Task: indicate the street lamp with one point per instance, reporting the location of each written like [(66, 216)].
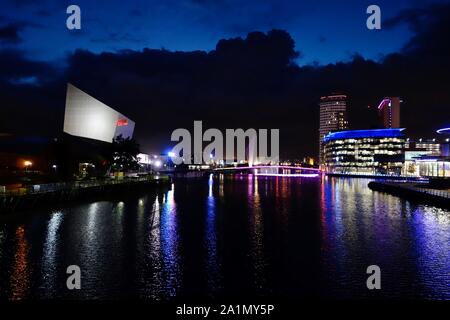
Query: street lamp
[(27, 164)]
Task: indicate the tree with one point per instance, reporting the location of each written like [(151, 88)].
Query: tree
[(124, 154)]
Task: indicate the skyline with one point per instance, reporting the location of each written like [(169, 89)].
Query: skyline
[(259, 73)]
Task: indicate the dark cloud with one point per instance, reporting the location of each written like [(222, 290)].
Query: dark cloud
[(416, 18), (430, 38), (245, 82), (10, 33), (14, 65)]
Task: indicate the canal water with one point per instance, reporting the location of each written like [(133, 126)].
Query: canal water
[(231, 236)]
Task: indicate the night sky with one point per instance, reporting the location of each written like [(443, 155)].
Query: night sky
[(261, 64)]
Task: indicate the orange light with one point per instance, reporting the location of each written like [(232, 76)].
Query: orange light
[(27, 163)]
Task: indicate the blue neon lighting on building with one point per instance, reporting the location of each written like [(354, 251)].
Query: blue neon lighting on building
[(360, 134), (443, 131)]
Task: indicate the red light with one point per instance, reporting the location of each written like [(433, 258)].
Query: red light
[(122, 122)]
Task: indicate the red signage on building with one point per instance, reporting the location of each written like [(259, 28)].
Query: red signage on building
[(122, 122)]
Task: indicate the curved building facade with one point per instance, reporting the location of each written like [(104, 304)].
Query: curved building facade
[(365, 152)]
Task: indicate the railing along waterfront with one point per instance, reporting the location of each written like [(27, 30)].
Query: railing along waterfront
[(59, 186)]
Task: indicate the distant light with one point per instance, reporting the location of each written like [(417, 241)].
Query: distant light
[(158, 163), (293, 175), (383, 103), (171, 154), (155, 156), (27, 163), (358, 134), (54, 166), (443, 130)]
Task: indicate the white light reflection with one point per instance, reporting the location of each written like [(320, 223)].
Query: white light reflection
[(49, 266)]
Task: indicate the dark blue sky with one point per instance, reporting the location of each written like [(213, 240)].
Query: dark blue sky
[(250, 73), (324, 31)]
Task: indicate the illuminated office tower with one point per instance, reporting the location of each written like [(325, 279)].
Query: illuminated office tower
[(389, 109), (430, 145), (333, 117), (365, 152)]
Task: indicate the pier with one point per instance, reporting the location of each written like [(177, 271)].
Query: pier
[(413, 191)]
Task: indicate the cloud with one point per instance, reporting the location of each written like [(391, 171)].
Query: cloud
[(416, 18), (245, 82), (431, 34), (14, 66), (10, 33)]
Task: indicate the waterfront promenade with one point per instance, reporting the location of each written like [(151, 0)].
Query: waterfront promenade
[(32, 196)]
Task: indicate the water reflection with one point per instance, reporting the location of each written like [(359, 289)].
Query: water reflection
[(170, 244), (21, 271), (432, 245), (256, 231), (213, 267), (231, 236), (152, 251), (361, 227), (2, 241), (49, 262)]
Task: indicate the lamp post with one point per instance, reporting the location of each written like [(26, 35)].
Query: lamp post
[(27, 164)]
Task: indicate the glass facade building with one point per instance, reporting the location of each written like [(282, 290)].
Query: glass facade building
[(333, 117), (430, 166), (365, 152)]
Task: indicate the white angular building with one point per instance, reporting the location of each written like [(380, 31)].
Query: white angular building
[(87, 117)]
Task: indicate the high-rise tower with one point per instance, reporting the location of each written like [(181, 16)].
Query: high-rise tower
[(333, 117), (389, 109)]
